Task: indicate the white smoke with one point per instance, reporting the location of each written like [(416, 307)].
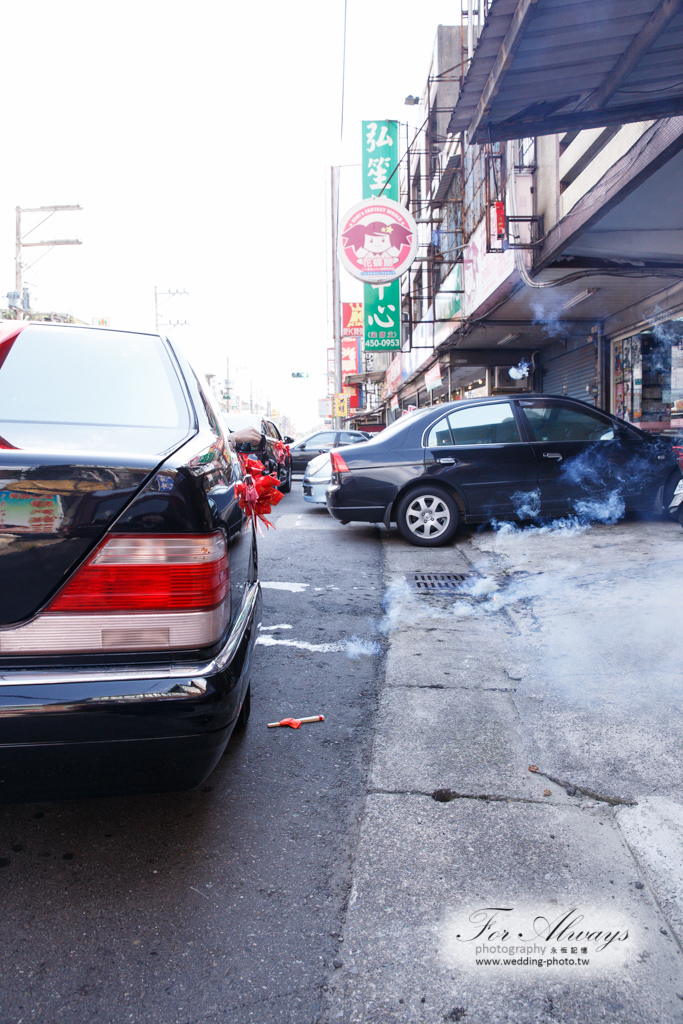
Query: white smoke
[(357, 648)]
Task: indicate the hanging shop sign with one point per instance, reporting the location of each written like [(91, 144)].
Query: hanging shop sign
[(378, 240), (380, 159), (350, 355), (341, 405), (352, 319), (433, 377), (382, 322), (393, 376)]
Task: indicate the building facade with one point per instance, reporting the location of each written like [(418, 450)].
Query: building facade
[(551, 262)]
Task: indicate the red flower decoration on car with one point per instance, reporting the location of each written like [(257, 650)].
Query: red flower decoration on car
[(258, 492), (282, 451)]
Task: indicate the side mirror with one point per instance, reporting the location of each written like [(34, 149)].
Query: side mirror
[(287, 439)]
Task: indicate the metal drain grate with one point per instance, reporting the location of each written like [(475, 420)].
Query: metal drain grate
[(435, 582)]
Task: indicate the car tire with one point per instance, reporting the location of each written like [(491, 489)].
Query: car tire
[(245, 711), (286, 484), (427, 516)]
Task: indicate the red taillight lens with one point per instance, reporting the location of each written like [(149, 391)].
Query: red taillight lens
[(338, 464), (160, 573)]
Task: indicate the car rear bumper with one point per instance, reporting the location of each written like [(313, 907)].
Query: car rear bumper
[(347, 513), (71, 733)]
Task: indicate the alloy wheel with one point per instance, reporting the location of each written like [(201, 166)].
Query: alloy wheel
[(428, 516)]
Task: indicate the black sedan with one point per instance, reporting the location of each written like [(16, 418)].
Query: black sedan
[(323, 441), (501, 458), (272, 448), (129, 597)]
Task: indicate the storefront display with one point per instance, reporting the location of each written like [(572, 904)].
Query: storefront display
[(647, 378)]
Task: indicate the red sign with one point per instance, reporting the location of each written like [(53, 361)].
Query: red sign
[(352, 319), (349, 354), (353, 391), (500, 218)]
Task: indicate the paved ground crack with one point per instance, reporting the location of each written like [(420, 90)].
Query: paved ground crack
[(613, 801), (446, 796)]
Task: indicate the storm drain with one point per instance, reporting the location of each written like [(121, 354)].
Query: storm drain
[(438, 582)]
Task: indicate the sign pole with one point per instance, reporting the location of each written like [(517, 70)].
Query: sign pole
[(336, 307)]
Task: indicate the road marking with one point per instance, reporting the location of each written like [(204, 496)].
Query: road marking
[(280, 625), (294, 588), (293, 521), (271, 641)]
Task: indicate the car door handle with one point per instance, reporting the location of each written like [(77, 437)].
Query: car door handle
[(448, 462), (552, 455)]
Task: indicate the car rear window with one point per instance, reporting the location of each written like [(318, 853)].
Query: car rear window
[(85, 378)]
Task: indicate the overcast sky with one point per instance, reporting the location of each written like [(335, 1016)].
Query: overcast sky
[(198, 139)]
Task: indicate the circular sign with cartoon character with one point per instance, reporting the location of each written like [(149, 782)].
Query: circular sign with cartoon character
[(377, 240)]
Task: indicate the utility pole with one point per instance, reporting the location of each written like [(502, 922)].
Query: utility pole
[(21, 244), (336, 308), (166, 296)]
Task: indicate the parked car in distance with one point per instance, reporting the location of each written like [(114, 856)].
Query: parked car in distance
[(317, 479), (500, 458), (129, 596), (269, 451), (322, 441)]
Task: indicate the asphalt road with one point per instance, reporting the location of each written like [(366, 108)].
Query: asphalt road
[(224, 904)]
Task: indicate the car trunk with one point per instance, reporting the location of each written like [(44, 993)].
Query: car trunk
[(52, 514), (85, 417)]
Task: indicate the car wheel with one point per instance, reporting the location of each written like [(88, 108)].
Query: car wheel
[(245, 711), (427, 516), (286, 484)]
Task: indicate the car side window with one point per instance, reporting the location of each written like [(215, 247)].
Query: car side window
[(484, 424), (347, 437), (552, 423), (273, 431), (321, 440), (440, 434)]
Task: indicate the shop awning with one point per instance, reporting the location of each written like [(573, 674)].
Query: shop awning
[(542, 67), (364, 378)]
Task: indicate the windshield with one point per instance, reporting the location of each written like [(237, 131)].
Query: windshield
[(55, 379)]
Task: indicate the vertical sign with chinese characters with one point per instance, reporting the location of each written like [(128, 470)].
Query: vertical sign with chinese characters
[(382, 312), (382, 317), (380, 160)]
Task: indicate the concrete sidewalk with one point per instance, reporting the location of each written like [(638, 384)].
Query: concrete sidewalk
[(559, 653)]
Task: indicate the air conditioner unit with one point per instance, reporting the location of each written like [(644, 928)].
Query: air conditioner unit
[(502, 381)]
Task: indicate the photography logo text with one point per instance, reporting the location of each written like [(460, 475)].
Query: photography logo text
[(507, 937)]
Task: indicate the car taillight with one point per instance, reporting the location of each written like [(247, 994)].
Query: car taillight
[(338, 464), (135, 593), (159, 573)]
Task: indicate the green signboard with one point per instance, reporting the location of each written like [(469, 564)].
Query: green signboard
[(382, 305), (382, 316), (380, 159)]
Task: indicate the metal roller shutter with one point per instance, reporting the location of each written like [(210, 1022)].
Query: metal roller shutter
[(570, 373)]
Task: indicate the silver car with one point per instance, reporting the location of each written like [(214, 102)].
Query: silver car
[(317, 478)]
